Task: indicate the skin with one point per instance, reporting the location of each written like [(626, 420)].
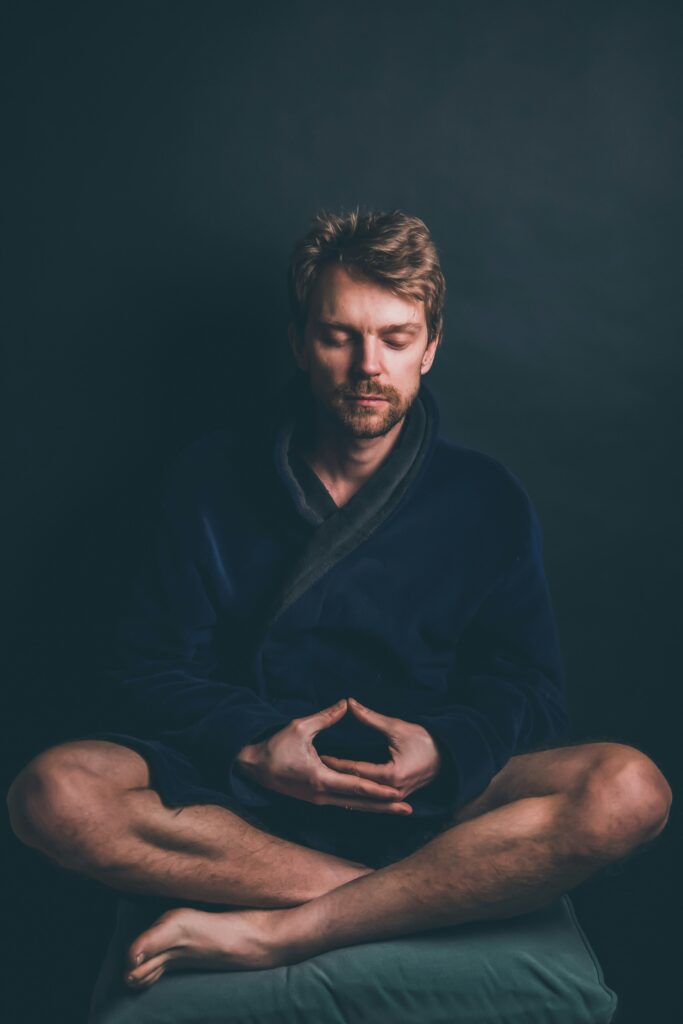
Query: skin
[(288, 763), (544, 824), (360, 355), (547, 820), (545, 837)]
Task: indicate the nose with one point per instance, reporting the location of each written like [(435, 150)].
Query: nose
[(366, 359)]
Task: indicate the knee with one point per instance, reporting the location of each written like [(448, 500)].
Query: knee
[(52, 803), (624, 799)]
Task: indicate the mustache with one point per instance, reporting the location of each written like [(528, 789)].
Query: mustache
[(366, 394)]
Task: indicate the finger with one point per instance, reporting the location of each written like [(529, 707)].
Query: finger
[(346, 785), (372, 806), (376, 772), (325, 718), (372, 718)]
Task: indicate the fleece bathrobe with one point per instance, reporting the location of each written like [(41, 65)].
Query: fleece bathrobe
[(424, 597)]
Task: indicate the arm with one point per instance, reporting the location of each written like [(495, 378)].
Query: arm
[(508, 685), (165, 683)]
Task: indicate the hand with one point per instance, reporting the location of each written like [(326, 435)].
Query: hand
[(288, 763), (415, 758)]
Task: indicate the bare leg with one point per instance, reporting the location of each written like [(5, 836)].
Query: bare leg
[(598, 802), (87, 805)]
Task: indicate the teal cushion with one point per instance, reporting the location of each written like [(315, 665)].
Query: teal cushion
[(538, 967)]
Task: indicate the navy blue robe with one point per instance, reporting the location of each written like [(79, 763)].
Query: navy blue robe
[(424, 597)]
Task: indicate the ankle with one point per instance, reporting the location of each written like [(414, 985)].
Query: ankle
[(339, 874)]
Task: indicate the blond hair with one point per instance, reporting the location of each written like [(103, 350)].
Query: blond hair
[(390, 248)]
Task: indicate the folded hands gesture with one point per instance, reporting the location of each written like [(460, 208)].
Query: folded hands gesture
[(414, 757), (287, 762)]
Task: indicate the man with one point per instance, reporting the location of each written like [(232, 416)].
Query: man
[(347, 550)]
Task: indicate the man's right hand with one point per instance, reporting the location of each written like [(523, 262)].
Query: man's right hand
[(288, 763)]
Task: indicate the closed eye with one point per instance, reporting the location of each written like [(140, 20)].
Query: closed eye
[(337, 341)]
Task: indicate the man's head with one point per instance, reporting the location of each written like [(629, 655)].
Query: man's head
[(366, 294)]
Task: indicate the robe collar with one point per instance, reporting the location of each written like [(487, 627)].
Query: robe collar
[(309, 495), (345, 528)]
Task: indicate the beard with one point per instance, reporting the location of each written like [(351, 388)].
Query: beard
[(368, 421)]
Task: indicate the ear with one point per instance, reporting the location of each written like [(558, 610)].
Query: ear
[(297, 346), (429, 354)]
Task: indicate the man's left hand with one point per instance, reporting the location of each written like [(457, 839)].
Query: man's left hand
[(415, 759)]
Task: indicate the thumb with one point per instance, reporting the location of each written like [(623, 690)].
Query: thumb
[(327, 717), (376, 720)]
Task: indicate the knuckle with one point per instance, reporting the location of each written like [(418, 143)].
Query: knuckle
[(316, 792), (317, 786)]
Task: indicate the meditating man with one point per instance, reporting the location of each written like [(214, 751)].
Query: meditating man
[(338, 695)]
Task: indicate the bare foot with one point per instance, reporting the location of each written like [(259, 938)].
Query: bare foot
[(189, 939), (241, 939)]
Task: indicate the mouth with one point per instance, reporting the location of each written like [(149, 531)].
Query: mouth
[(367, 399)]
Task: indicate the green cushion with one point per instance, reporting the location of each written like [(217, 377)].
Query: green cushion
[(538, 967)]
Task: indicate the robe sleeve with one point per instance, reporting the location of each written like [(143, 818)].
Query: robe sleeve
[(509, 677), (163, 681)]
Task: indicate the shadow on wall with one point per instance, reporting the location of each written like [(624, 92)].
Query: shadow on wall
[(168, 362)]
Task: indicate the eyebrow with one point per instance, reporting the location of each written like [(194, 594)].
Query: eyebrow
[(411, 327)]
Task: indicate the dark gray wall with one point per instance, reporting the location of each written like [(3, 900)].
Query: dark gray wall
[(163, 157)]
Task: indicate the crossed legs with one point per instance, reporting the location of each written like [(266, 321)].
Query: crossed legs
[(546, 822), (88, 806)]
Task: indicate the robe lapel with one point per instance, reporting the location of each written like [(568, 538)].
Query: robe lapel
[(336, 536)]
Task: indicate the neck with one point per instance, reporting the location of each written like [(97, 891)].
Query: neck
[(344, 463)]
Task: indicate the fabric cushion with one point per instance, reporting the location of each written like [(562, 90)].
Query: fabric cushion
[(536, 968)]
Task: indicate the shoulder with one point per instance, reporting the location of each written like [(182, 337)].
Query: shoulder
[(476, 471), (484, 491)]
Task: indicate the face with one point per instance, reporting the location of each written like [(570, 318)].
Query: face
[(362, 340)]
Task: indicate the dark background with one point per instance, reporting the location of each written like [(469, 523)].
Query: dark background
[(162, 159)]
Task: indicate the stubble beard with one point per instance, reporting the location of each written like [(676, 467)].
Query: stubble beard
[(365, 421)]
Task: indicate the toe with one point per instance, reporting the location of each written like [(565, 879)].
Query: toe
[(147, 971), (151, 978), (136, 954), (164, 933)]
